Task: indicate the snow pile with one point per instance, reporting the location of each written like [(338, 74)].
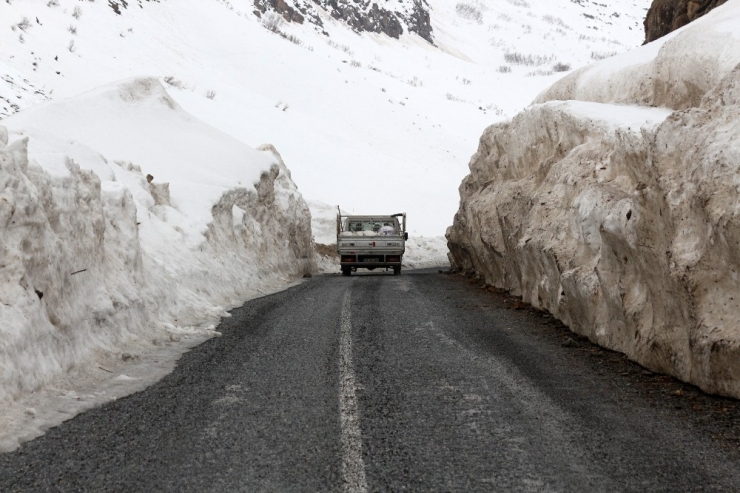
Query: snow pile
[(674, 71), (622, 221), (125, 223), (324, 230), (423, 252), (324, 222)]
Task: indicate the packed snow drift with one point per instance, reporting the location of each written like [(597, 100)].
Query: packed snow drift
[(623, 221), (125, 224)]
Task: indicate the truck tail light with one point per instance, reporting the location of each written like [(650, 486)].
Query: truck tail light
[(392, 258), (349, 258)]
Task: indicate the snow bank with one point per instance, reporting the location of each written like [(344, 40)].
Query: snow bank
[(324, 222), (99, 259), (629, 234), (675, 71), (426, 251)]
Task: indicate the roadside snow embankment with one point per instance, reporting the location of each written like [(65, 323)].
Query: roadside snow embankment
[(98, 258), (630, 236), (624, 221), (673, 72)]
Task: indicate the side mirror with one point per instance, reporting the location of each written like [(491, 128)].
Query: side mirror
[(405, 236)]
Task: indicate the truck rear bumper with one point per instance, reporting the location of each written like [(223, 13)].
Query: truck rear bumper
[(367, 265), (371, 260)]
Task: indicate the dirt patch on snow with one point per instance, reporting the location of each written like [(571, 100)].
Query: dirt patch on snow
[(329, 251)]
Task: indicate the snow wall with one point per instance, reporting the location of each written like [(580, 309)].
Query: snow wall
[(623, 222), (97, 259)]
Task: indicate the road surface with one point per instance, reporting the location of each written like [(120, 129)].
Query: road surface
[(418, 382)]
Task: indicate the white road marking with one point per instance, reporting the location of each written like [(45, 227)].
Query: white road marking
[(353, 467)]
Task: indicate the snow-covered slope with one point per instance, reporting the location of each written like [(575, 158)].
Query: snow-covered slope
[(16, 91), (352, 114), (624, 221), (125, 224), (674, 71)]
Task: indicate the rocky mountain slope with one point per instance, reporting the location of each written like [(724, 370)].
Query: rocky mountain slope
[(623, 221), (666, 16), (411, 16)]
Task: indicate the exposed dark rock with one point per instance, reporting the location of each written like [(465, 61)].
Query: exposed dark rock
[(419, 22), (298, 12), (374, 19), (289, 13), (665, 16), (359, 15), (116, 5), (569, 342)]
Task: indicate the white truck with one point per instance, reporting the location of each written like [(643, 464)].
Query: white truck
[(371, 242)]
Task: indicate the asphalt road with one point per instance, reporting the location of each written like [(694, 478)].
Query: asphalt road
[(419, 382)]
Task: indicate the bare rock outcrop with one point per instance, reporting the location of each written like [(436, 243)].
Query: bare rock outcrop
[(359, 15), (665, 16), (622, 222), (291, 13)]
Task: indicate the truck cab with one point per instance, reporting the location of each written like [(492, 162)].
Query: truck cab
[(371, 242)]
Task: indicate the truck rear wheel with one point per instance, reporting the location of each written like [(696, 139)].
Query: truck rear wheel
[(346, 271), (396, 271)]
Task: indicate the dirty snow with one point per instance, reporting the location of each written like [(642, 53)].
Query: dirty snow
[(624, 221), (99, 263)]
